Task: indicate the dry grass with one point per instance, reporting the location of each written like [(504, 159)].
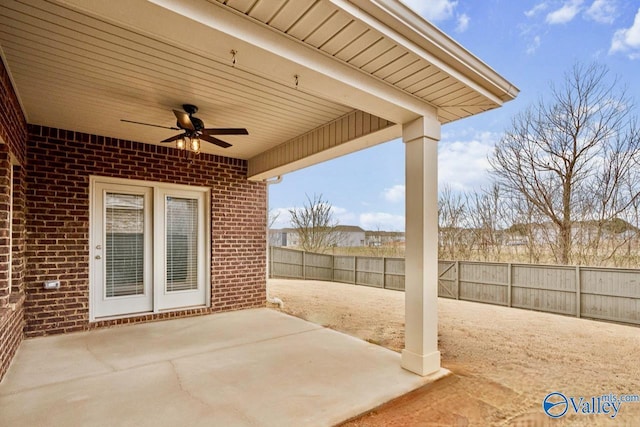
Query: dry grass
[(504, 360)]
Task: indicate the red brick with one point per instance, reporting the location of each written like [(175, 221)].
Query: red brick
[(57, 199)]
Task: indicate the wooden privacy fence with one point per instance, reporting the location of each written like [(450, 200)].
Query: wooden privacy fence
[(387, 273), (600, 293)]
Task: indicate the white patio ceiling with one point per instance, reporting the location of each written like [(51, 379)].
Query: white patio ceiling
[(85, 64)]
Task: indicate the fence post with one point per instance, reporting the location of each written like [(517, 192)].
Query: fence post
[(304, 265), (578, 291), (458, 280), (384, 273), (333, 268), (509, 284), (355, 270)]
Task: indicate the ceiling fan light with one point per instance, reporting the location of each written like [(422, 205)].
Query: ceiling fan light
[(181, 143), (195, 145)]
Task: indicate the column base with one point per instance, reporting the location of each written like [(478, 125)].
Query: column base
[(422, 365)]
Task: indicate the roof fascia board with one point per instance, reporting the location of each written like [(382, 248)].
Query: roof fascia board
[(400, 23), (320, 74)]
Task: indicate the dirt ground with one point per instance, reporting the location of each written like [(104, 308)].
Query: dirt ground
[(504, 361)]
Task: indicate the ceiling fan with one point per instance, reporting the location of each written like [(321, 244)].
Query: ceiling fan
[(194, 130)]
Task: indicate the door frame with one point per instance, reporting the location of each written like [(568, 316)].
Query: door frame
[(155, 186), (162, 299), (133, 304)]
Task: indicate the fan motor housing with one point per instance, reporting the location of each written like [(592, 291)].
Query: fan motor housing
[(190, 109)]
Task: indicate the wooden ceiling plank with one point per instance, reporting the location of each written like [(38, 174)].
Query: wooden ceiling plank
[(351, 31), (243, 6), (430, 91), (328, 28), (455, 90), (292, 13), (265, 10), (75, 102), (435, 80), (357, 45), (161, 72), (390, 56), (51, 74), (388, 70), (410, 81), (463, 97), (145, 46), (372, 52), (415, 68)]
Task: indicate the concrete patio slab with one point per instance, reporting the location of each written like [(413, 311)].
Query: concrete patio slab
[(246, 368)]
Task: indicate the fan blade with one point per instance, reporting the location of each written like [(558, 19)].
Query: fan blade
[(184, 120), (175, 138), (225, 131), (149, 124), (214, 140)]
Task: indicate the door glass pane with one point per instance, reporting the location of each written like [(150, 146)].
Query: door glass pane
[(182, 242), (124, 251)]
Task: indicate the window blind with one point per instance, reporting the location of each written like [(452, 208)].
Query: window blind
[(124, 245), (181, 237)]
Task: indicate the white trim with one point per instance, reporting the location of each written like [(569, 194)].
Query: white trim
[(11, 193), (143, 183), (404, 26), (181, 298), (157, 188), (99, 303)]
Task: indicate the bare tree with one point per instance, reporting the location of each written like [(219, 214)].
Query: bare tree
[(487, 218), (454, 237), (526, 228), (570, 157), (272, 217), (315, 224)]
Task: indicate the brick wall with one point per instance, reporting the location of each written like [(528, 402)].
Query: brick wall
[(57, 192), (13, 136)]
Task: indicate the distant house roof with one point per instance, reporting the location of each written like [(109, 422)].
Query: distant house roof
[(349, 228), (340, 228), (384, 233)]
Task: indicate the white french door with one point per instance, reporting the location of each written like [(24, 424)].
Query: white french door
[(149, 247), (181, 246)]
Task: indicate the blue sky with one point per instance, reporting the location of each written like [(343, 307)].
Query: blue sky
[(531, 43)]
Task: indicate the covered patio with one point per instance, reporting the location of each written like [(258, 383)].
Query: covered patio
[(307, 80), (245, 368)]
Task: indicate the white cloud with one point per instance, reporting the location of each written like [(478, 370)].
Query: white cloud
[(566, 13), (628, 39), (602, 11), (533, 46), (343, 216), (381, 221), (433, 10), (279, 218), (536, 9), (394, 194), (464, 165), (463, 23)]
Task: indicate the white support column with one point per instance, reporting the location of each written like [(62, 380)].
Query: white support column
[(421, 354)]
